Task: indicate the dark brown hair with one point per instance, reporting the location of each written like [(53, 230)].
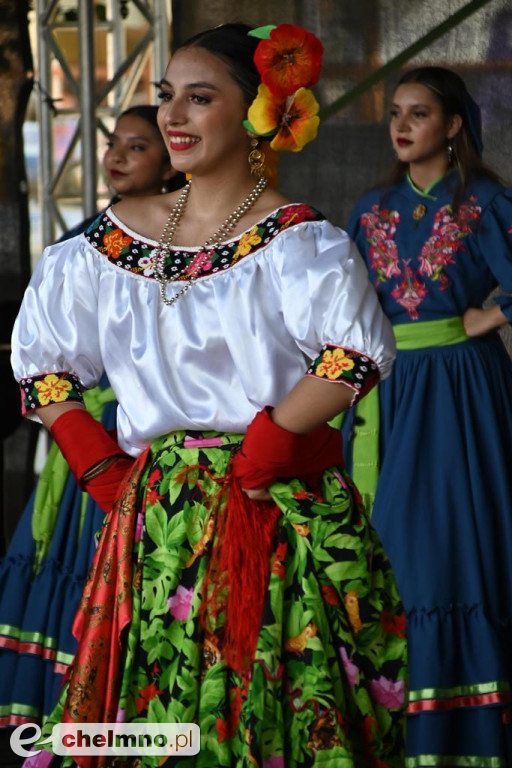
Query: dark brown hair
[(232, 44)]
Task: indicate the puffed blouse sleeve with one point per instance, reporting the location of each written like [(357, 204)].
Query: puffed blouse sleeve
[(332, 310), (494, 242), (55, 342)]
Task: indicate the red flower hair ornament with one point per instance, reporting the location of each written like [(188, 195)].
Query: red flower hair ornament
[(289, 61)]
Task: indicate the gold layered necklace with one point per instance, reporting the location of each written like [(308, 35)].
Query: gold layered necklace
[(219, 236)]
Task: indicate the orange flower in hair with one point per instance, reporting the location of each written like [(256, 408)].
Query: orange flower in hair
[(289, 59), (285, 111)]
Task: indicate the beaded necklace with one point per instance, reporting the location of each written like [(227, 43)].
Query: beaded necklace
[(221, 234)]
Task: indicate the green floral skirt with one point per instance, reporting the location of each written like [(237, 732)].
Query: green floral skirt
[(327, 686)]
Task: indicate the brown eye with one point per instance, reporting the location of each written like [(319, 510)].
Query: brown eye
[(198, 99)]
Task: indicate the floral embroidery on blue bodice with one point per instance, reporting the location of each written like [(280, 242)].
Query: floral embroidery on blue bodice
[(437, 252)]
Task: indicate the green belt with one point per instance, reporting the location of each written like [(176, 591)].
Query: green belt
[(365, 451), (53, 478)]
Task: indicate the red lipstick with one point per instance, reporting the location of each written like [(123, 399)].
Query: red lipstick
[(179, 141)]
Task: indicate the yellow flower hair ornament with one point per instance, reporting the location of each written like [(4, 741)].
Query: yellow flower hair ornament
[(292, 121)]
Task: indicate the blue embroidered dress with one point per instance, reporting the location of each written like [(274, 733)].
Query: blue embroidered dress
[(443, 506)]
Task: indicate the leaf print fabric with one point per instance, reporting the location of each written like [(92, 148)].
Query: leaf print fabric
[(327, 683)]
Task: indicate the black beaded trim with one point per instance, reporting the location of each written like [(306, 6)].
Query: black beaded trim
[(339, 364), (137, 256), (48, 388)]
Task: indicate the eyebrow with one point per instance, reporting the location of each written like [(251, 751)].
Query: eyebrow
[(413, 106), (199, 84), (131, 138)]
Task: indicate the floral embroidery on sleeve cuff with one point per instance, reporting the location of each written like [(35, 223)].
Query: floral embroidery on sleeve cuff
[(47, 388), (345, 366)]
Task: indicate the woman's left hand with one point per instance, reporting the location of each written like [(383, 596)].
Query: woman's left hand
[(477, 322), (257, 494)]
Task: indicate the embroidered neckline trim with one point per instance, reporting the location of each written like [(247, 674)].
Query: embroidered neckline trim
[(136, 256), (192, 248)]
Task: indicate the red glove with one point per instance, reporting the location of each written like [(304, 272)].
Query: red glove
[(85, 444), (269, 451)]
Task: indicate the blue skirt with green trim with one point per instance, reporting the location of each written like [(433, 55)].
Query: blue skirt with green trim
[(39, 595), (443, 511)]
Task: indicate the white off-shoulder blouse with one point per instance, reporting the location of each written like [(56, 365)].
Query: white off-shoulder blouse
[(286, 298)]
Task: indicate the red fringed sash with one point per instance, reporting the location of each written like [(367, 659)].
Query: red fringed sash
[(237, 576), (240, 560)]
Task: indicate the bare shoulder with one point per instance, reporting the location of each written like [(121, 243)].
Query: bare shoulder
[(145, 215)]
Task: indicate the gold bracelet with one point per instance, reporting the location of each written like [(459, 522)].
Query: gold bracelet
[(98, 469)]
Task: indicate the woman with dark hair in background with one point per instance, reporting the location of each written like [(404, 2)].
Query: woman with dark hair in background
[(237, 583), (43, 572), (136, 161), (437, 240)]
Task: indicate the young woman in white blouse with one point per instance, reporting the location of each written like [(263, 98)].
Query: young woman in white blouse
[(237, 582)]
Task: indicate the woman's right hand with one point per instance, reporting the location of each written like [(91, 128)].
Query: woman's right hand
[(478, 322), (257, 494)]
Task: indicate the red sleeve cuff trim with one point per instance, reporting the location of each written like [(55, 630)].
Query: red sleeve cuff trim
[(49, 388), (345, 366)]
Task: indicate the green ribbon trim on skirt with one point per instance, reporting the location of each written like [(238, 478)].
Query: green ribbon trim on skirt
[(475, 689), (454, 761), (53, 478), (365, 452)]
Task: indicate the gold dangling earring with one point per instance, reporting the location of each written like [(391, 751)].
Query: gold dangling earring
[(256, 158)]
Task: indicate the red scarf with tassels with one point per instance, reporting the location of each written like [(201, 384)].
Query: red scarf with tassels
[(240, 559)]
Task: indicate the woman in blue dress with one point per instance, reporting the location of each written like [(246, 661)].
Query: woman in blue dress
[(437, 240), (43, 573)]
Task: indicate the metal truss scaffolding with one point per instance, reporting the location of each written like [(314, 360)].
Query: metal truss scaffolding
[(134, 39)]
